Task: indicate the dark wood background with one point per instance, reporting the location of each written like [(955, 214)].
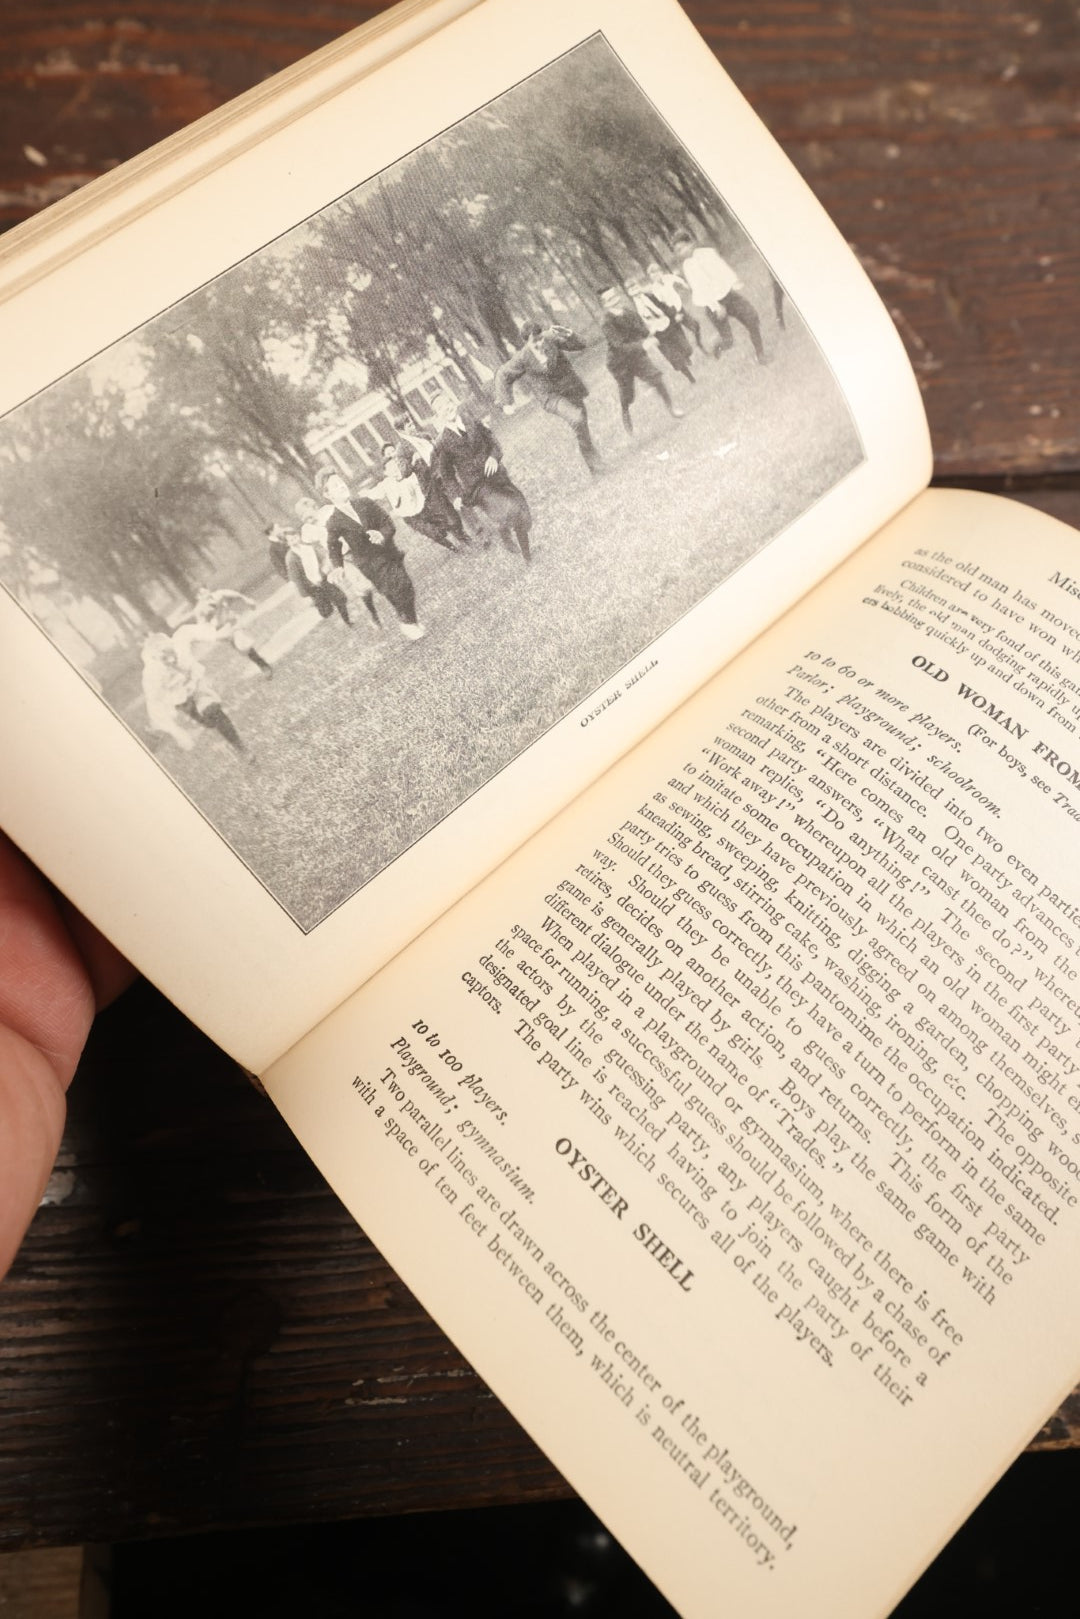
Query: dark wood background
[(196, 1334)]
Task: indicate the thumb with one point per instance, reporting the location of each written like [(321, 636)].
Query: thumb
[(46, 1007)]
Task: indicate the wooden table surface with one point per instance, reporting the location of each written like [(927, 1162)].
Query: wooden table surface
[(196, 1334)]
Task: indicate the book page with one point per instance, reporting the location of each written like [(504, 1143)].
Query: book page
[(732, 1129), (400, 471)]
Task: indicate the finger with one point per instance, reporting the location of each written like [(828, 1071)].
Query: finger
[(110, 973), (32, 1111), (46, 996), (46, 1005)]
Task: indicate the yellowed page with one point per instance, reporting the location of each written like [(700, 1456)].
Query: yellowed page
[(352, 820), (732, 1129)]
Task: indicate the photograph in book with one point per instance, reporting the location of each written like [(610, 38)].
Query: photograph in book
[(346, 529)]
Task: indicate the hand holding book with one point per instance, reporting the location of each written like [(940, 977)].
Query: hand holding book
[(648, 1089)]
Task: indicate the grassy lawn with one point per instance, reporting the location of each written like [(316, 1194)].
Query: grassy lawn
[(362, 740)]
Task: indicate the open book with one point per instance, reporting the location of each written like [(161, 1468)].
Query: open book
[(464, 538)]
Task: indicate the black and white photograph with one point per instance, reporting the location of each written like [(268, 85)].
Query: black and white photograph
[(348, 528)]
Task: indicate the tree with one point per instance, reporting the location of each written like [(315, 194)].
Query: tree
[(130, 512), (228, 357)]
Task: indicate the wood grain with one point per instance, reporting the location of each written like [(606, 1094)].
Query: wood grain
[(196, 1334)]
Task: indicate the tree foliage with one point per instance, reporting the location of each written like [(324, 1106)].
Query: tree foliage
[(113, 480)]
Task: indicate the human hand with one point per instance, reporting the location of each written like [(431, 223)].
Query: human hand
[(55, 972), (491, 467)]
